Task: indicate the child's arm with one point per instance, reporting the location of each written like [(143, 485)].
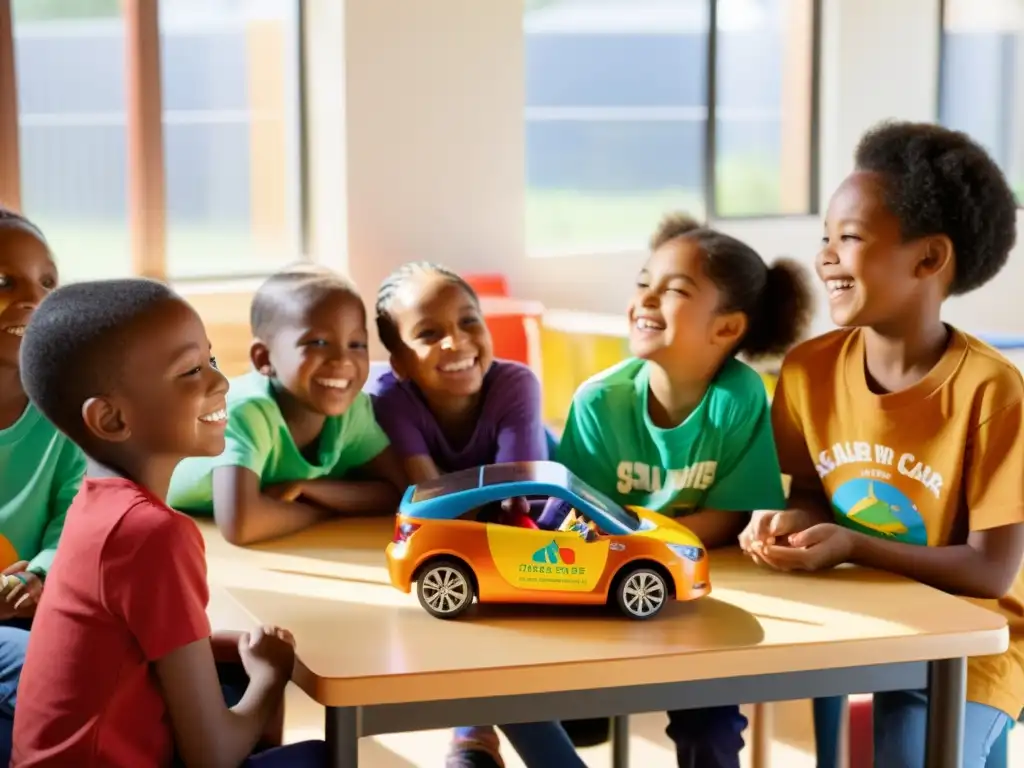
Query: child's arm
[(378, 490), (153, 579), (246, 515), (206, 732), (747, 476)]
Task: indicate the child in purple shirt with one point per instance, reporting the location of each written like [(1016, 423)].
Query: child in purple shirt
[(447, 405)]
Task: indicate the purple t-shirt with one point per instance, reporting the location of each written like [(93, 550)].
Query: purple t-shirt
[(509, 427)]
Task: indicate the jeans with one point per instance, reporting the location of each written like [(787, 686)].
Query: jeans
[(304, 754), (13, 642), (540, 745), (900, 718), (711, 737)]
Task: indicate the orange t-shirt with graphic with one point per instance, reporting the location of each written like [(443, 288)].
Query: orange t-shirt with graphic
[(925, 465)]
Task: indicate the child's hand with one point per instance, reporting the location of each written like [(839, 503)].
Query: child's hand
[(268, 654), (20, 589), (283, 491), (822, 546), (769, 527)]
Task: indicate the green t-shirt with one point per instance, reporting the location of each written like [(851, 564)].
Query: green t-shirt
[(721, 457), (259, 439), (40, 472)]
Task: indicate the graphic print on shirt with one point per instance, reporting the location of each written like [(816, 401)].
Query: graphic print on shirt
[(870, 502), (638, 476)]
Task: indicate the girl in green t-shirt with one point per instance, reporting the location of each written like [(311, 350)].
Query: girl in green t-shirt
[(683, 427)]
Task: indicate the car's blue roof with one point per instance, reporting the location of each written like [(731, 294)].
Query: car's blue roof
[(450, 495), (547, 473)]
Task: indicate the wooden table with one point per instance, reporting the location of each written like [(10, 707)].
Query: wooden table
[(380, 664)]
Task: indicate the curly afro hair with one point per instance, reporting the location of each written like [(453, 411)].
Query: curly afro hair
[(940, 181)]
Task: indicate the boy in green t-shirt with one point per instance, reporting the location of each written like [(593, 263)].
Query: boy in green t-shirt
[(40, 468), (684, 428), (302, 441)]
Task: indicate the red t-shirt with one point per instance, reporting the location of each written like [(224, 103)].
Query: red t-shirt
[(127, 587)]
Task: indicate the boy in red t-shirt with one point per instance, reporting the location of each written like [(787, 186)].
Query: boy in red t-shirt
[(120, 669)]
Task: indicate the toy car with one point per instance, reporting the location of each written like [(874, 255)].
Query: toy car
[(448, 541)]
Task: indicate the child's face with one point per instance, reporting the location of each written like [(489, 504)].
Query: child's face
[(320, 355), (169, 397), (868, 270), (446, 348), (27, 274), (673, 316)]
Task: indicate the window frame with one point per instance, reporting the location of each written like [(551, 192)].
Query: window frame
[(940, 80)]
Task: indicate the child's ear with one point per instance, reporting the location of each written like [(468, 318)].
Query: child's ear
[(938, 258), (728, 328), (259, 354), (105, 421)]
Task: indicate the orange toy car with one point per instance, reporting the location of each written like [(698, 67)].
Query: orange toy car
[(449, 541)]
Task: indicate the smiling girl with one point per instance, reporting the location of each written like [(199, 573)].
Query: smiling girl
[(447, 404), (683, 427)]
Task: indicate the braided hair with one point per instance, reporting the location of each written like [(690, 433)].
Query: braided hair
[(386, 327)]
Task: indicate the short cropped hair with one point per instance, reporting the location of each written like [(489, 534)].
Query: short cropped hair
[(940, 181), (13, 219), (295, 288), (72, 351), (386, 328), (777, 299)]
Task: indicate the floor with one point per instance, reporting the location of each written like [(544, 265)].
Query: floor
[(792, 746)]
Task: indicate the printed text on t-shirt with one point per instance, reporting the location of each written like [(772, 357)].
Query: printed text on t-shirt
[(637, 476), (857, 452)]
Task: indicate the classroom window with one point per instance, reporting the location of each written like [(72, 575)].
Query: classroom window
[(982, 78), (230, 74), (617, 115), (69, 59)]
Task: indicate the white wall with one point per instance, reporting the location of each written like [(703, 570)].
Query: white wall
[(425, 159)]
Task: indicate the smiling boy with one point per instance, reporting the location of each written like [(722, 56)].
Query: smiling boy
[(302, 443), (902, 434)]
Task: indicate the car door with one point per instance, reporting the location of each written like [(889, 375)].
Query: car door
[(546, 560)]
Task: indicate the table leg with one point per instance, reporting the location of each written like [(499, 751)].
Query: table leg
[(947, 688), (342, 730), (620, 741)]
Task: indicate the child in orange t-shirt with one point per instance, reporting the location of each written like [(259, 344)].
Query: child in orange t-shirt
[(903, 435)]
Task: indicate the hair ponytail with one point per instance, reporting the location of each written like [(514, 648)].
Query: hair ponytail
[(783, 313), (776, 299)]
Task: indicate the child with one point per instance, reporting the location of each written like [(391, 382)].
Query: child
[(302, 443), (120, 667), (449, 405), (40, 469), (902, 434), (683, 428)]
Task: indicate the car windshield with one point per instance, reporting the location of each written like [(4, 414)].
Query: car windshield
[(453, 482), (593, 496)]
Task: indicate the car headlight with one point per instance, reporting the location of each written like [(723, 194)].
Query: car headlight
[(696, 554)]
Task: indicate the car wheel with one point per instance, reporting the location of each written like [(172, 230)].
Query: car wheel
[(641, 593), (445, 589)]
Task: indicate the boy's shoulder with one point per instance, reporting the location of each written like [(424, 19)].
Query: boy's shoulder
[(249, 398), (992, 378), (819, 350)]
